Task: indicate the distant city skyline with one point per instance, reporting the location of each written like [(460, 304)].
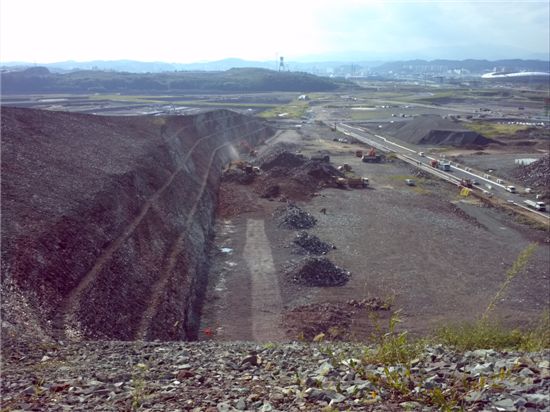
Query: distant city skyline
[(46, 31)]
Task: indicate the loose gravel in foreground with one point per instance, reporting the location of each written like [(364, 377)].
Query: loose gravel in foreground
[(209, 376)]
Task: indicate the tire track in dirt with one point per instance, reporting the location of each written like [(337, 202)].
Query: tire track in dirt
[(68, 308), (160, 284), (266, 301)]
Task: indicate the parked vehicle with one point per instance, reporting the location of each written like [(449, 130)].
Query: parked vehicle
[(410, 182)]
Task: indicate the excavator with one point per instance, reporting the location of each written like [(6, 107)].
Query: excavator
[(371, 156)]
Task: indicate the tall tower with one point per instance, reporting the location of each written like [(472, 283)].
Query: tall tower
[(281, 63)]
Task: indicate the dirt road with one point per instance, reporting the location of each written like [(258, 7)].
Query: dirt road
[(266, 302)]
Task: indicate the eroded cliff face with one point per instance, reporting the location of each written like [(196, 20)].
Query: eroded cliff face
[(106, 220)]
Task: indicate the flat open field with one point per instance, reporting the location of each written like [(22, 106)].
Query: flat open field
[(424, 250)]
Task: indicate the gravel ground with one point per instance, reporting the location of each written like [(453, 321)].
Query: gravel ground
[(502, 164), (214, 377), (436, 256)]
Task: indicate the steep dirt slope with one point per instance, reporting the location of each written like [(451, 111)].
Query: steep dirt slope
[(106, 220)]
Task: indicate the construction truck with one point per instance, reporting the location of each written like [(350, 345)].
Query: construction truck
[(445, 166), (341, 182), (321, 158), (371, 157), (541, 206), (358, 182)]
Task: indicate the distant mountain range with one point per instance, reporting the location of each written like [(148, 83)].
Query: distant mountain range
[(473, 66), (41, 80)]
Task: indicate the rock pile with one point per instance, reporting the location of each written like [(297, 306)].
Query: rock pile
[(293, 217), (291, 377), (536, 175), (311, 244), (271, 191), (281, 159), (318, 272), (333, 320), (238, 175)]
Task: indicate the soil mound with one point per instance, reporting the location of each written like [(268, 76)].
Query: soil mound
[(318, 272), (536, 176), (334, 320), (293, 217), (435, 130), (311, 244), (279, 156), (238, 176), (296, 177), (308, 321)]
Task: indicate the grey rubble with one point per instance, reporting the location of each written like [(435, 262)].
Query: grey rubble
[(212, 376)]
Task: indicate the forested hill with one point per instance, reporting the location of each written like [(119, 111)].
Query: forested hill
[(41, 80)]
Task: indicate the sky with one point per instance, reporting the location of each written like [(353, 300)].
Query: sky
[(185, 31)]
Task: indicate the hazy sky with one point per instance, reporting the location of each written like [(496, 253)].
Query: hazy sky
[(185, 31)]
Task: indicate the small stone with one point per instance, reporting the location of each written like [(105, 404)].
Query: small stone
[(537, 398), (184, 374), (266, 407), (240, 405), (252, 359), (526, 372), (223, 407), (410, 406), (324, 369), (504, 405), (473, 396)]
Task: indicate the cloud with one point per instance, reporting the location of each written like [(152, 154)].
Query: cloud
[(183, 31)]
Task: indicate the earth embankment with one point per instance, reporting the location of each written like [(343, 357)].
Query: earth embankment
[(106, 220), (435, 130)]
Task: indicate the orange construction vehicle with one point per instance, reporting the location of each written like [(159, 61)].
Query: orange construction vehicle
[(371, 156)]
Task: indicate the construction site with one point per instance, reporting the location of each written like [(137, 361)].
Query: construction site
[(221, 227)]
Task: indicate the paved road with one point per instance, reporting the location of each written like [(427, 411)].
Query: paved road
[(491, 185)]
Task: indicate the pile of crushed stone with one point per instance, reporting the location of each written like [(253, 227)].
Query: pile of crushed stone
[(314, 271), (293, 217), (280, 158), (435, 130), (234, 376), (311, 244), (536, 176), (238, 175), (332, 319)]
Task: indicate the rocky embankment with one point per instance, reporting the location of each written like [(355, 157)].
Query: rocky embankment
[(106, 221), (536, 176), (239, 376)]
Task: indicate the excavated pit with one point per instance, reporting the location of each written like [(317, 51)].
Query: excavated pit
[(106, 221)]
